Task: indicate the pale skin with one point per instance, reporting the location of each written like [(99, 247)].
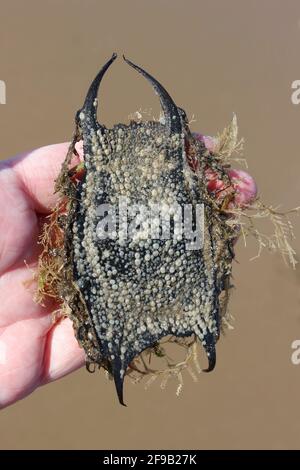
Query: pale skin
[(33, 350)]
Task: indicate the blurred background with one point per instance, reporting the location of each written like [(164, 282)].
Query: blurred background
[(215, 57)]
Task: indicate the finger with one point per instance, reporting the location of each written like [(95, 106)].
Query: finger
[(244, 186), (17, 291), (63, 354), (245, 189), (37, 170), (18, 222), (21, 358)]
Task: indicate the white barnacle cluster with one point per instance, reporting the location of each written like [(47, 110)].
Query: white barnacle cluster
[(145, 288)]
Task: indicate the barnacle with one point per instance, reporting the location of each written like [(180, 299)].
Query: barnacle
[(129, 288)]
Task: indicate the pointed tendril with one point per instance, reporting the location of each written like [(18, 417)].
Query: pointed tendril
[(171, 113), (90, 105)]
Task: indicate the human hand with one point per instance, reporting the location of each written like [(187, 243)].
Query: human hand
[(33, 350)]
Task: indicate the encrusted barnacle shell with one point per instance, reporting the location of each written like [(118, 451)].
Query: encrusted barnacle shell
[(132, 289)]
